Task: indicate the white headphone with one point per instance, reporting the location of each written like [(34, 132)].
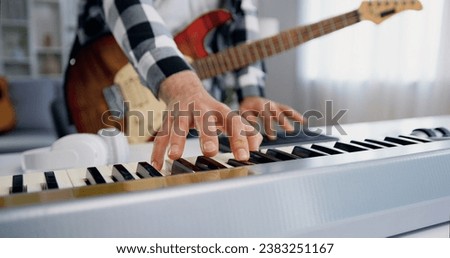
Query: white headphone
[(109, 146)]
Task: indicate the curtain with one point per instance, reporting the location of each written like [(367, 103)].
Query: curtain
[(396, 69)]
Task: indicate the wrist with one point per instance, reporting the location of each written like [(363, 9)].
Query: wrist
[(179, 84)]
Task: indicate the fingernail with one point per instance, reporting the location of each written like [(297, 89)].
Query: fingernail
[(209, 146), (242, 154), (173, 150), (154, 164)]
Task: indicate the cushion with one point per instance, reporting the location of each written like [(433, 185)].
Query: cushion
[(32, 99)]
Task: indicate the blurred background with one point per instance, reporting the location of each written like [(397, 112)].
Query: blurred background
[(397, 69)]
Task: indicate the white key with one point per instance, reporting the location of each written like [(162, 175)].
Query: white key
[(223, 158), (77, 176), (5, 185), (34, 182), (106, 172), (132, 168), (63, 179), (116, 173)]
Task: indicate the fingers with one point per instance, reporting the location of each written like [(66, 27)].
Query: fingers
[(160, 144), (242, 136), (206, 126), (207, 119), (178, 133), (275, 114)]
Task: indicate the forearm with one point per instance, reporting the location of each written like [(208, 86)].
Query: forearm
[(145, 39)]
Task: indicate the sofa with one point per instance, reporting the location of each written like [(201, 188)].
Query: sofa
[(40, 115)]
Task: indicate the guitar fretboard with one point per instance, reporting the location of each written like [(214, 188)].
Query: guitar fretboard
[(246, 54)]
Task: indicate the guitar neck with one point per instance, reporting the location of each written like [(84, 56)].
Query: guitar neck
[(245, 54)]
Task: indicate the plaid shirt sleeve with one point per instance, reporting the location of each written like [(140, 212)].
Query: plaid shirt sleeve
[(251, 79), (145, 39), (143, 36)]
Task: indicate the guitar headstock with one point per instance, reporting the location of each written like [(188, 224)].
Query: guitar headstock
[(378, 11)]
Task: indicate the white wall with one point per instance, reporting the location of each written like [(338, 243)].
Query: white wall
[(282, 68)]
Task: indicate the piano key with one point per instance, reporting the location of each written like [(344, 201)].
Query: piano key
[(258, 157), (281, 155), (146, 170), (400, 141), (182, 166), (63, 179), (94, 176), (348, 147), (424, 132), (5, 185), (223, 158), (206, 163), (415, 138), (326, 149), (34, 182), (77, 176), (303, 152), (382, 143), (17, 184), (368, 145), (50, 180), (120, 173), (444, 131), (238, 163)]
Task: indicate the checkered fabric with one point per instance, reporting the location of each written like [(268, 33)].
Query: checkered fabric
[(142, 34)]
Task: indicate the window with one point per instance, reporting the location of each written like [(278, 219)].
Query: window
[(403, 49)]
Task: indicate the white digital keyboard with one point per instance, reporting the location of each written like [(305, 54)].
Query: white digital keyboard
[(368, 187)]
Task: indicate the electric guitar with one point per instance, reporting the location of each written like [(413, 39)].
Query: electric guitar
[(7, 117), (104, 90)]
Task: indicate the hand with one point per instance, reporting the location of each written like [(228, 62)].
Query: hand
[(190, 106), (270, 112)]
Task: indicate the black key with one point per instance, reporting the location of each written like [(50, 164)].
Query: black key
[(325, 149), (237, 163), (424, 131), (372, 146), (260, 158), (120, 173), (348, 147), (281, 155), (418, 139), (444, 131), (146, 170), (400, 141), (182, 166), (303, 152), (206, 163), (50, 179), (382, 143), (299, 136), (17, 184), (94, 176)]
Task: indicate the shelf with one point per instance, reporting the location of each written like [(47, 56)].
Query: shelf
[(36, 37), (17, 9), (49, 50), (14, 23), (47, 1), (13, 61)]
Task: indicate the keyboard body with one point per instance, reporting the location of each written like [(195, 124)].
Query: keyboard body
[(379, 193)]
